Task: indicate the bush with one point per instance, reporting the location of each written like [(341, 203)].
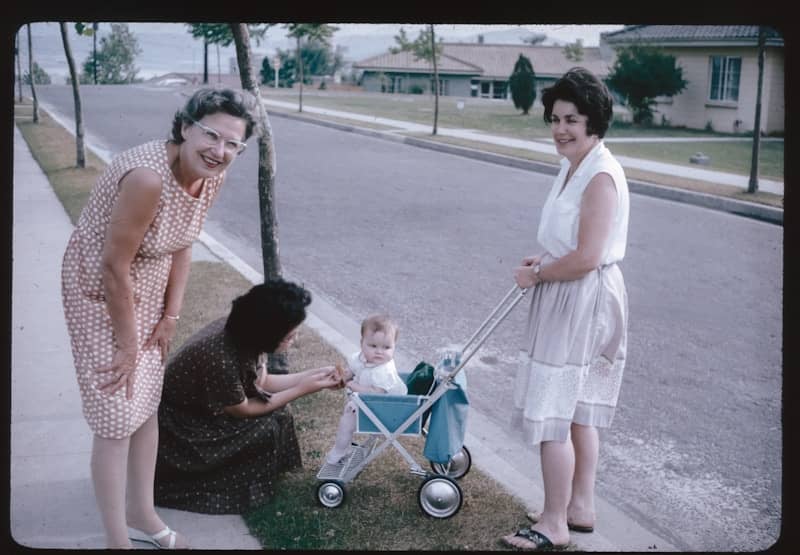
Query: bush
[(416, 89)]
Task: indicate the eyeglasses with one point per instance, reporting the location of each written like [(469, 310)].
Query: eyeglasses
[(212, 137)]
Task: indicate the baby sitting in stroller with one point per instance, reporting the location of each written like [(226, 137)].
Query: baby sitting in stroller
[(370, 370)]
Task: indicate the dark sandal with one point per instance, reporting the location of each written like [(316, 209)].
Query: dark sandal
[(540, 541), (534, 517)]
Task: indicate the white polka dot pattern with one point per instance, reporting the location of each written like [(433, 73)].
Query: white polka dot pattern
[(177, 224)]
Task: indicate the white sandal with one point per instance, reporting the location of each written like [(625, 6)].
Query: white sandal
[(139, 536)]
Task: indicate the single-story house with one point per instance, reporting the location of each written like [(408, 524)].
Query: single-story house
[(472, 69), (720, 63)]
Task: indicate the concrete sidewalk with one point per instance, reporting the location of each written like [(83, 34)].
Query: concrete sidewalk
[(52, 502)]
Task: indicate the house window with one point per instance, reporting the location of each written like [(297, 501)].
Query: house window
[(499, 89), (725, 71), (486, 89), (443, 88), (473, 87)]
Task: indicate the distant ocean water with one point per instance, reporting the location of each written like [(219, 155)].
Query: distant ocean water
[(168, 47)]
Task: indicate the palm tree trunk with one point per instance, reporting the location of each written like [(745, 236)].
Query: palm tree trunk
[(270, 252), (435, 84), (80, 154), (30, 72)]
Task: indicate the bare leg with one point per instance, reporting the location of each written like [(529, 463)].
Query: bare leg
[(586, 441), (344, 434), (141, 474), (109, 477), (558, 466)]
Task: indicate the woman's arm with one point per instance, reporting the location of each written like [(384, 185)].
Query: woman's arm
[(598, 205), (133, 211), (280, 382), (309, 383), (173, 301)]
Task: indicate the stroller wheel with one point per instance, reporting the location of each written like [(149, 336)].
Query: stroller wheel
[(330, 494), (440, 497), (457, 467)]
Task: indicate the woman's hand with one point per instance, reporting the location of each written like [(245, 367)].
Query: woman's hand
[(525, 275), (121, 372), (323, 378), (162, 336)]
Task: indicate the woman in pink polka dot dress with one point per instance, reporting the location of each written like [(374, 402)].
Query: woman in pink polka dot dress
[(123, 278)]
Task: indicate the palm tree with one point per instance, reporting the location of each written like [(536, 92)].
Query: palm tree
[(80, 154), (321, 32), (30, 72), (270, 252)]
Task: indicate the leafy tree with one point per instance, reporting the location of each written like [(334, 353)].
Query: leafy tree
[(642, 73), (114, 60), (40, 76), (220, 34), (90, 31), (80, 154), (523, 84), (424, 47), (319, 32), (574, 51)]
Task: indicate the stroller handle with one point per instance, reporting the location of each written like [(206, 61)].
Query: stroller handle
[(503, 308)]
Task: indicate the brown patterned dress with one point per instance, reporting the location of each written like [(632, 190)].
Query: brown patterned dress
[(208, 461), (177, 224)]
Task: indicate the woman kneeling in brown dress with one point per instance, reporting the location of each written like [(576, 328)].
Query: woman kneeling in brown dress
[(224, 431)]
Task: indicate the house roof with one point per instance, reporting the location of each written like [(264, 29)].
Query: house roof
[(490, 60), (691, 35)]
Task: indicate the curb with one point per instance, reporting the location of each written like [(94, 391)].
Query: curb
[(742, 208)]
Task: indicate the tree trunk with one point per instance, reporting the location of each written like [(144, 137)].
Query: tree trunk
[(19, 67), (205, 60), (300, 69), (270, 252), (435, 84), (752, 186), (30, 72), (95, 26), (80, 154)]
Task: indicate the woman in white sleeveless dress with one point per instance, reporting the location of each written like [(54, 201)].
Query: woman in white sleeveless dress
[(577, 324)]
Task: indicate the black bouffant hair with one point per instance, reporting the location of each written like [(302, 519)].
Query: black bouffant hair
[(261, 318), (588, 93)]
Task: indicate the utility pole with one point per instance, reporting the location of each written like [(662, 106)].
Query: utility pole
[(752, 186)]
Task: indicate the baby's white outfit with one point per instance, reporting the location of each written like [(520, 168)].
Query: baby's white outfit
[(384, 376)]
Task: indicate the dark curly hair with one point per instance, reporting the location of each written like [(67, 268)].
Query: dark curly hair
[(588, 93), (262, 317), (210, 101)]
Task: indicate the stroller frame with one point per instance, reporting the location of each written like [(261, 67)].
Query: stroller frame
[(439, 495)]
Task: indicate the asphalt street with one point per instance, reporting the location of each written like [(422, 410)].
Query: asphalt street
[(359, 215)]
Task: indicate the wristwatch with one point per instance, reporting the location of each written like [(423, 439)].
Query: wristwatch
[(536, 270)]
